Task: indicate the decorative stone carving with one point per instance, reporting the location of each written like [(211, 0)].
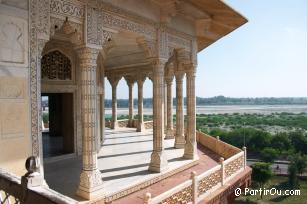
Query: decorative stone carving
[(90, 178), (67, 8), (179, 139), (39, 27), (13, 40), (94, 26), (56, 66), (11, 117), (66, 29), (119, 23), (234, 166), (148, 46), (178, 42), (43, 19), (183, 196), (158, 161), (209, 182), (190, 148), (162, 42), (12, 88)]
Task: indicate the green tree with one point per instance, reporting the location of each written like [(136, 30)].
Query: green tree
[(293, 180), (269, 154), (261, 173), (260, 140), (45, 117), (299, 141), (281, 142), (299, 161)]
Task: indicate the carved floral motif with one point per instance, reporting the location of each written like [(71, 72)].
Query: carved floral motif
[(66, 8)]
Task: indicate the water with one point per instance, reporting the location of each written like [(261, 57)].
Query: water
[(221, 109)]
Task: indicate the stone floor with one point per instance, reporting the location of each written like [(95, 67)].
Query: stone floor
[(123, 162), (207, 160)]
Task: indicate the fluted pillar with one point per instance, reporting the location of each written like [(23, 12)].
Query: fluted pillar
[(140, 125), (158, 161), (179, 139), (114, 81), (90, 178), (190, 148), (169, 113)]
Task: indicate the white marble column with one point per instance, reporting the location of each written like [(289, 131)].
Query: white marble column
[(90, 178), (179, 139), (165, 108), (169, 113), (140, 125), (190, 148), (130, 85), (114, 81), (158, 161)]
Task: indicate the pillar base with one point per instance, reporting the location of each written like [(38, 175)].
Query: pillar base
[(158, 162), (190, 151), (91, 185), (179, 142), (114, 125), (140, 128), (169, 134)]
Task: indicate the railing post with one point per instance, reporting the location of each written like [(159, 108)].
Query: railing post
[(147, 198), (32, 178), (222, 170), (217, 144), (245, 157), (194, 187)]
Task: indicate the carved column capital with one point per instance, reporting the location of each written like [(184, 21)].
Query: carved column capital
[(179, 76), (169, 80), (87, 55), (114, 79), (140, 80), (190, 68), (130, 80)]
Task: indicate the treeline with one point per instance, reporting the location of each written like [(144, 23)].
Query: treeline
[(222, 100), (268, 146)]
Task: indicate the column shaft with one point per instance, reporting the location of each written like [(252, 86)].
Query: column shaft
[(140, 126), (158, 161), (130, 124), (165, 107), (179, 139), (190, 149), (169, 128), (114, 105), (90, 178)]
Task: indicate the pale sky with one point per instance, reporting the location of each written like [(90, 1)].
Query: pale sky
[(267, 57)]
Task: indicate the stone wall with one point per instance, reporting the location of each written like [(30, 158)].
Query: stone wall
[(14, 86)]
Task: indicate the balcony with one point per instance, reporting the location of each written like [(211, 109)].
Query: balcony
[(123, 162)]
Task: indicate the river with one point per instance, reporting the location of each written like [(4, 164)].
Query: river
[(221, 109)]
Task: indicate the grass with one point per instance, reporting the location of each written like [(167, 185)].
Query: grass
[(280, 183)]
